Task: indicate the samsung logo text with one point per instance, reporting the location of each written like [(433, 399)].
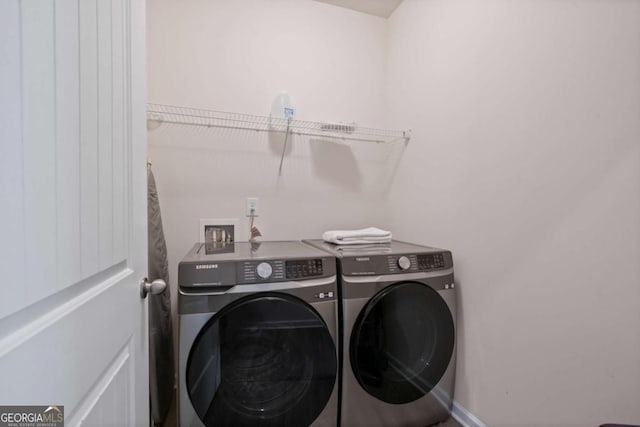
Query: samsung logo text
[(206, 266)]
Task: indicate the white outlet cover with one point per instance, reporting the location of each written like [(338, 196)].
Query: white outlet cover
[(255, 203), (205, 222)]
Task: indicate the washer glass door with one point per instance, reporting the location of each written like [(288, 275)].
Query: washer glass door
[(265, 360), (402, 342)]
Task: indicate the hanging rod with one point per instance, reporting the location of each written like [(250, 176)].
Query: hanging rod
[(172, 114)]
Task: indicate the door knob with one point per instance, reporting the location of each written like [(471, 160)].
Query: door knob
[(155, 287)]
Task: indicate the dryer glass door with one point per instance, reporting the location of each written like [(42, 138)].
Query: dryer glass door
[(402, 342), (265, 360)]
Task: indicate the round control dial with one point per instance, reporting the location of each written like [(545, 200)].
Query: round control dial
[(404, 263), (264, 270)]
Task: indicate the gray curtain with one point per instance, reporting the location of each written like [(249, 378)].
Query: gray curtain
[(161, 371)]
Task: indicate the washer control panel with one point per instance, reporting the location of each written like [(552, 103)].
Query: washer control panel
[(264, 270), (260, 271), (280, 270), (245, 263), (299, 269)]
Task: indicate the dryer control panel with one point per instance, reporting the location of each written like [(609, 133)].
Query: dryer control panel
[(419, 262), (399, 264), (431, 261), (396, 263)]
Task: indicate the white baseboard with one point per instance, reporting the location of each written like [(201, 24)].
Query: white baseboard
[(464, 417)]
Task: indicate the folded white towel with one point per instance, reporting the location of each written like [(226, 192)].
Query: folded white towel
[(355, 237)]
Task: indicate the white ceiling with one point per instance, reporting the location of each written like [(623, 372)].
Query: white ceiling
[(382, 8)]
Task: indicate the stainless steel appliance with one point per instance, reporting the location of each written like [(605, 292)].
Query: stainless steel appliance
[(258, 330), (399, 329)]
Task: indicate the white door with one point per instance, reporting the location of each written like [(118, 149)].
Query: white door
[(73, 209)]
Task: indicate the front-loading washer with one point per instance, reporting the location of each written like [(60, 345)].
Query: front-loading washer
[(257, 336), (399, 333)]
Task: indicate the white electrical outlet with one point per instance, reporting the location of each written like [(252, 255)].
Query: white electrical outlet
[(252, 206)]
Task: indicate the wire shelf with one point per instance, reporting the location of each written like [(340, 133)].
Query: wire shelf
[(172, 114)]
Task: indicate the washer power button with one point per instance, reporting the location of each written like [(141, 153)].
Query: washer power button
[(264, 270)]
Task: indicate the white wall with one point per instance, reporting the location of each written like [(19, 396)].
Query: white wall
[(525, 161), (237, 56)]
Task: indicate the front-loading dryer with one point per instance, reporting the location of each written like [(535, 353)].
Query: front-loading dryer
[(399, 333), (258, 331)]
